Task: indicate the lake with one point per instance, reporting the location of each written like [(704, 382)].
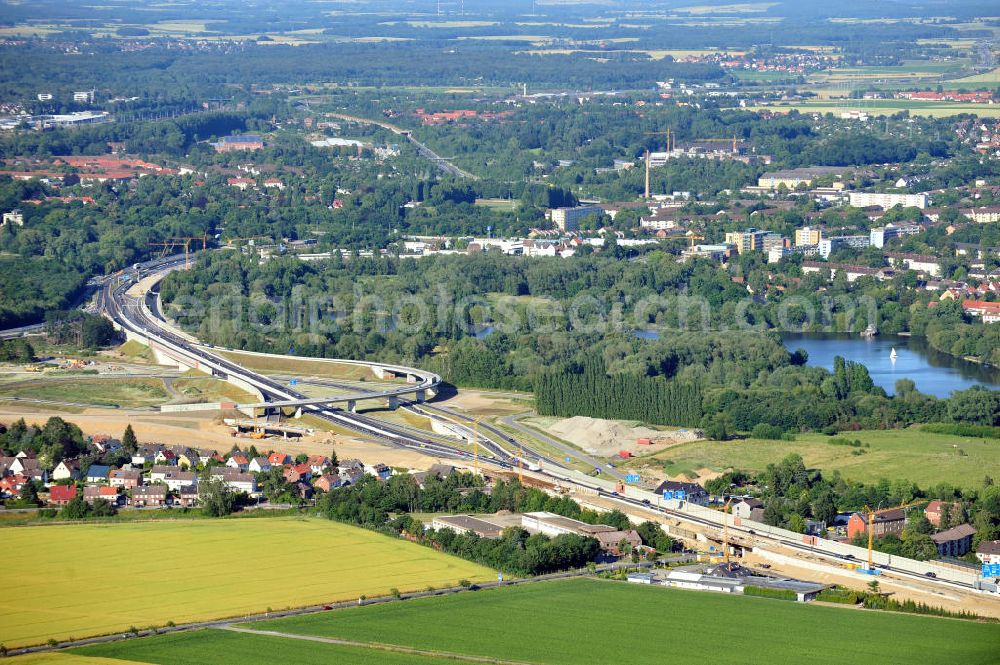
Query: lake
[(933, 372)]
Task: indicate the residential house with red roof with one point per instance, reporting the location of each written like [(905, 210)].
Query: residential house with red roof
[(935, 509), (278, 459), (60, 495), (989, 312), (92, 493), (238, 461)]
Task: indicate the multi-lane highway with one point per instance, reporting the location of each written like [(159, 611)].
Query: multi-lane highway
[(134, 315), (441, 162)]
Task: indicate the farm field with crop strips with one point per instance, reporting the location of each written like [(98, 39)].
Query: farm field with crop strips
[(595, 621), (91, 579)]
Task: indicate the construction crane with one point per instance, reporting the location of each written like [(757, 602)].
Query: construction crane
[(725, 532), (671, 138), (870, 516), (871, 519), (167, 246), (692, 237), (185, 242)]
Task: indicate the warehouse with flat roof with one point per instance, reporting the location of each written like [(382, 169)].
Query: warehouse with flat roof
[(555, 525), (467, 524)]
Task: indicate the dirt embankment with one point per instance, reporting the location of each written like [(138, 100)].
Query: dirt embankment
[(606, 438)]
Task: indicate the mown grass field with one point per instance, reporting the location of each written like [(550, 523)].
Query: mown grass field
[(206, 389), (109, 391), (594, 621), (81, 580), (211, 647), (989, 79), (920, 457), (299, 367)]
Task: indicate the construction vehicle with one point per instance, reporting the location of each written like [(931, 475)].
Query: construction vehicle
[(257, 433)]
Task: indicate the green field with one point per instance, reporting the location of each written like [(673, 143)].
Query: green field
[(920, 457), (80, 580), (888, 107), (595, 621), (207, 647), (135, 351), (990, 79), (763, 77), (206, 389), (569, 622), (300, 367), (497, 204), (111, 391)]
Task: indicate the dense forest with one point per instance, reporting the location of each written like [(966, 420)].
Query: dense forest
[(196, 75), (591, 391), (552, 325)]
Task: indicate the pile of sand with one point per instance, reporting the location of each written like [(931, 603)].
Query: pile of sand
[(607, 437)]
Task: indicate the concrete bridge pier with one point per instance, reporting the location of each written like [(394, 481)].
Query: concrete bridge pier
[(393, 402), (352, 406), (421, 396), (298, 413)]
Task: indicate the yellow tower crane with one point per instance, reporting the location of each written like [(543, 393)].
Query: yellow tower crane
[(671, 138), (725, 532), (870, 515), (871, 520)]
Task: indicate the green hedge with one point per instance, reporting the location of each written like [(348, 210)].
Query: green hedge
[(838, 595), (766, 592), (874, 601), (983, 431)]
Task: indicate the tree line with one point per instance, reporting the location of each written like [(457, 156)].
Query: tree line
[(590, 391)]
